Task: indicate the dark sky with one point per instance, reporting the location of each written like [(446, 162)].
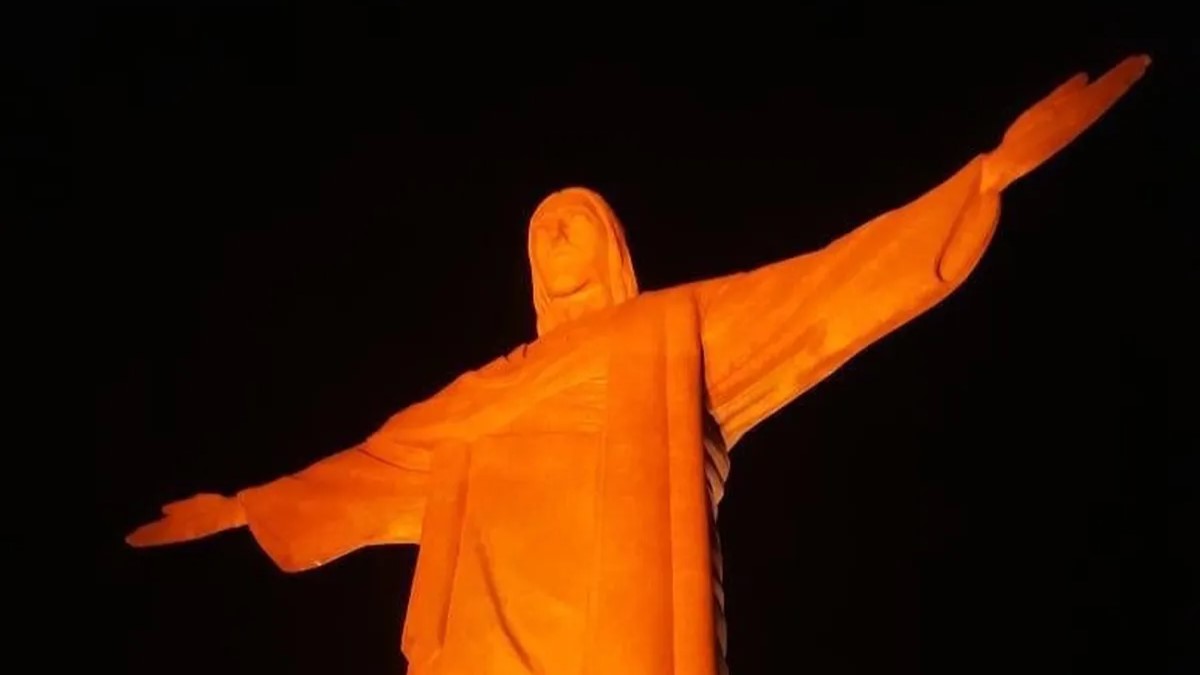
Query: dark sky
[(301, 221)]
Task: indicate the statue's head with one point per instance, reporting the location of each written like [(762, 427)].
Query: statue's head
[(578, 256)]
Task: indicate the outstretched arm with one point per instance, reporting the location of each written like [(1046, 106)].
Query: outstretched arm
[(770, 334), (349, 500), (373, 493)]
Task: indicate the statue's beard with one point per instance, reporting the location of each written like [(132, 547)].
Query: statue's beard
[(572, 290), (588, 297)]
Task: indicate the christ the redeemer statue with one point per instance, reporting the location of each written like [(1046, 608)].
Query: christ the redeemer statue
[(564, 495)]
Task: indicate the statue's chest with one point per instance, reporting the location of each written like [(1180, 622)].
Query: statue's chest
[(556, 387)]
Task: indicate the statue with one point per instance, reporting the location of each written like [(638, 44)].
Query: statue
[(564, 495)]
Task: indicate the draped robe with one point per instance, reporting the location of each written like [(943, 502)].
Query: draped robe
[(563, 496)]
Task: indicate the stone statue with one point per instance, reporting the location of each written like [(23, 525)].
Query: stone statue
[(564, 495)]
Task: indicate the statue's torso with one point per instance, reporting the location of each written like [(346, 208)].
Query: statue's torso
[(568, 547), (530, 513)]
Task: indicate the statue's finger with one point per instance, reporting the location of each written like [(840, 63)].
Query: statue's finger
[(193, 502), (1112, 85), (152, 534)]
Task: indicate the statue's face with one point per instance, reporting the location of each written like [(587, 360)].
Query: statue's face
[(568, 250)]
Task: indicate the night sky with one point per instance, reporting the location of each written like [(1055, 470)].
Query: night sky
[(300, 221)]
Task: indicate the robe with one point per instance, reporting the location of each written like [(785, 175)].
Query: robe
[(564, 495)]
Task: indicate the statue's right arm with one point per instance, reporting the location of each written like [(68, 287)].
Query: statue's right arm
[(355, 498), (372, 493)]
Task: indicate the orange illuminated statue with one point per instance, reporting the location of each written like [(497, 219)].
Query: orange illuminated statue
[(564, 495)]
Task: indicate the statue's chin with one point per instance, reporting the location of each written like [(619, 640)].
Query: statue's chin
[(567, 291)]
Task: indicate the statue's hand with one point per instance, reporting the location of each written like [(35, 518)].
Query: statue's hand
[(1056, 120), (191, 518)]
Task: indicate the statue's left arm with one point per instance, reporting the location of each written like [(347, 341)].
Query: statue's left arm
[(771, 333)]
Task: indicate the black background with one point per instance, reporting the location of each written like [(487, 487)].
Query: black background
[(295, 222)]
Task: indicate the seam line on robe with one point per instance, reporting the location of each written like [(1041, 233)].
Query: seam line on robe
[(597, 517), (664, 338)]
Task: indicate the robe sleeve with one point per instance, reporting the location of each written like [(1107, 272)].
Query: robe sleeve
[(770, 334), (375, 492), (370, 494)]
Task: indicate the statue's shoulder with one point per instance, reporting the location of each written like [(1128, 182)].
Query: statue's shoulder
[(671, 299), (500, 367)]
